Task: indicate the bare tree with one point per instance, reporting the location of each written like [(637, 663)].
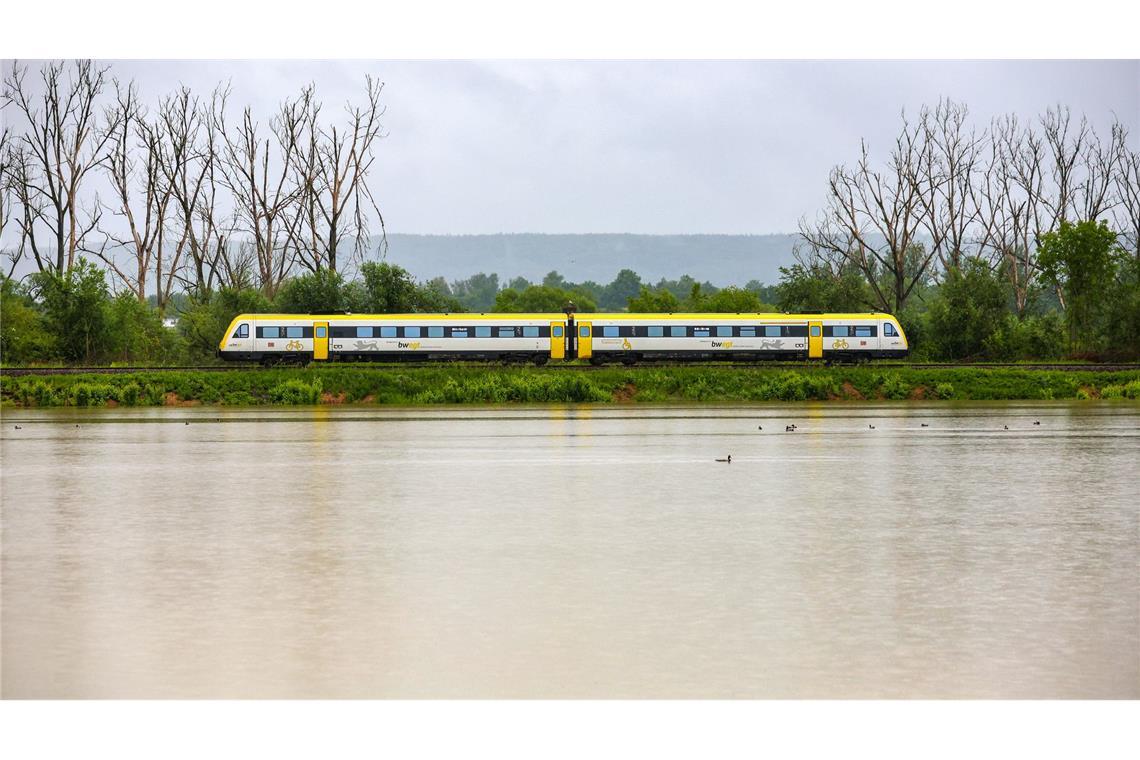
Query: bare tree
[(944, 172), (6, 193), (1127, 212), (873, 219), (189, 162), (141, 196), (1004, 214), (257, 172), (331, 168), (63, 144)]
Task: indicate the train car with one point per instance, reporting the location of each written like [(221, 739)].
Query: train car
[(538, 338), (300, 338), (630, 338)]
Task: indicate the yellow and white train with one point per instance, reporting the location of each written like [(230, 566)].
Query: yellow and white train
[(538, 338)]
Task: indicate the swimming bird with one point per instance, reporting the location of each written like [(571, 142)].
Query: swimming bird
[(729, 459), (185, 423), (924, 424), (872, 427), (1036, 422), (759, 427), (789, 428), (19, 428), (1006, 427)]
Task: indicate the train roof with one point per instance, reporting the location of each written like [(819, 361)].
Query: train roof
[(581, 316)]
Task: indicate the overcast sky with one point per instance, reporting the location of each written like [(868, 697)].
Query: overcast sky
[(649, 147)]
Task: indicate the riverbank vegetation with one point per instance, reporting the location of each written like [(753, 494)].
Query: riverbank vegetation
[(1008, 241), (475, 384)]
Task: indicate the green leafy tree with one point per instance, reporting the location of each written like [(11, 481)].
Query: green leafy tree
[(766, 293), (1080, 260), (734, 300), (683, 286), (654, 302), (318, 292), (24, 337), (626, 285), (970, 306), (388, 288), (1122, 311), (138, 335), (76, 306), (554, 280), (477, 292), (205, 316), (435, 297), (818, 289), (540, 298)]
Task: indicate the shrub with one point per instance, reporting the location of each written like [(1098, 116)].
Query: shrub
[(943, 391), (129, 394), (296, 392), (894, 387)]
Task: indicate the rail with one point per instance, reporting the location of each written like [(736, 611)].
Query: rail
[(387, 366)]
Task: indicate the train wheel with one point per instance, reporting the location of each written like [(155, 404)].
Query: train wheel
[(540, 360)]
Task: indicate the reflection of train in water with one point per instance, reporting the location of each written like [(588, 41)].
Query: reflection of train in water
[(615, 337)]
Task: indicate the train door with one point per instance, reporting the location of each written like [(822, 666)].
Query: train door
[(320, 341), (585, 341), (815, 340), (557, 340)]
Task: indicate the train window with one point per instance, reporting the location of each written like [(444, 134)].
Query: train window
[(795, 331), (677, 331), (241, 332), (655, 331), (815, 331), (584, 331), (459, 332), (435, 332), (364, 332), (269, 332), (610, 331), (482, 332), (889, 330), (294, 332), (747, 332), (506, 332), (771, 331), (558, 331), (387, 332), (411, 332), (724, 331), (840, 331), (322, 331), (700, 332), (863, 331), (530, 332)]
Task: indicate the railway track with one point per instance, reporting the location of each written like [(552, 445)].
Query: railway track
[(388, 366)]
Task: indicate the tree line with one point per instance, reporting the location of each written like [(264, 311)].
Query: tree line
[(1042, 217), (193, 195), (1018, 240)]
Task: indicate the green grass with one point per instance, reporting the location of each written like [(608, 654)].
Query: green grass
[(461, 384)]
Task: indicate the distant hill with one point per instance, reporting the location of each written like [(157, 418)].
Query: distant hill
[(719, 259)]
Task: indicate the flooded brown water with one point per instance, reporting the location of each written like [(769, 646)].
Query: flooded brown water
[(573, 552)]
